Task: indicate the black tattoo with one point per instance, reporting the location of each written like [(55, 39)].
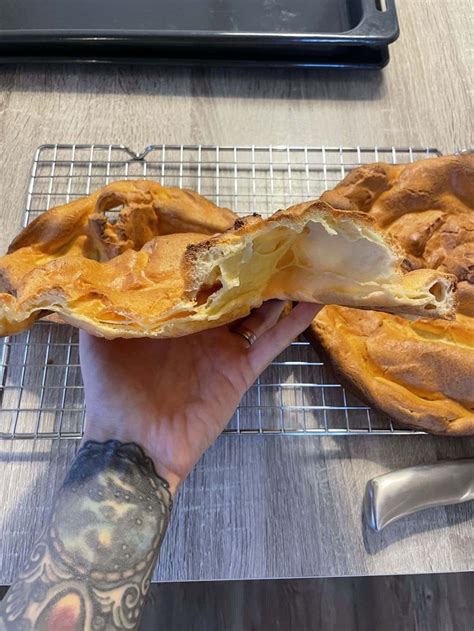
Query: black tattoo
[(91, 568)]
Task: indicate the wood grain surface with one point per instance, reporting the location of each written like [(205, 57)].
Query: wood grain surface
[(255, 506), (440, 602), (425, 602)]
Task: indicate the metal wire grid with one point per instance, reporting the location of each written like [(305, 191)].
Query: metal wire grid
[(41, 387)]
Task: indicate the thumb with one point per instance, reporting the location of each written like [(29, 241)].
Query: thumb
[(274, 341)]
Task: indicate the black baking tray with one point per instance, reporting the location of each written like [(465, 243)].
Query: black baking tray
[(340, 33)]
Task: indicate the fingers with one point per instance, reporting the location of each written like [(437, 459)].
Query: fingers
[(262, 319), (276, 339), (90, 343), (86, 341)]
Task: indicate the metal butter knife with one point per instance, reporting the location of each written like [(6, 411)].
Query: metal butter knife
[(396, 494)]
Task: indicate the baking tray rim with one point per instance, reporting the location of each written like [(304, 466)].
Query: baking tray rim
[(347, 38), (379, 57)]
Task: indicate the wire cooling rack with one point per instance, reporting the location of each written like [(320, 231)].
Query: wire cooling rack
[(41, 386)]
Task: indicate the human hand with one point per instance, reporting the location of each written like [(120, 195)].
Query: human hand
[(174, 397)]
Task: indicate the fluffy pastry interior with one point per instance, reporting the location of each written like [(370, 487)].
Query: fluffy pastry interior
[(324, 260), (177, 284)]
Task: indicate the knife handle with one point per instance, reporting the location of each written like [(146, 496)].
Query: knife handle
[(399, 493)]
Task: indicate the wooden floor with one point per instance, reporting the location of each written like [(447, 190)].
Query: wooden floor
[(404, 603), (435, 602)]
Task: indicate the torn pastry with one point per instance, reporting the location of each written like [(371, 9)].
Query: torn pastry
[(179, 283), (426, 207), (421, 373)]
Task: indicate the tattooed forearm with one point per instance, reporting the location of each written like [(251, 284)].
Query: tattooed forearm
[(91, 568)]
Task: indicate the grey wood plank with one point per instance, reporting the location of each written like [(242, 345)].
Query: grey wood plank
[(254, 507), (436, 602), (400, 603)]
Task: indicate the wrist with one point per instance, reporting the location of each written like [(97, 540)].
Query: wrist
[(102, 432)]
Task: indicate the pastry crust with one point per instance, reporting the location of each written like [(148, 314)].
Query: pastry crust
[(113, 280), (427, 207), (419, 372)]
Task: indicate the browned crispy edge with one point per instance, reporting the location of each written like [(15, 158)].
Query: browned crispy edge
[(392, 172)]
